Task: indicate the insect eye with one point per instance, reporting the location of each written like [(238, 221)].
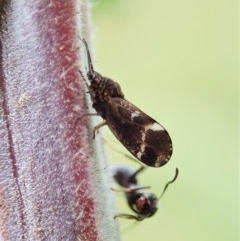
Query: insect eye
[(96, 82), (140, 203)]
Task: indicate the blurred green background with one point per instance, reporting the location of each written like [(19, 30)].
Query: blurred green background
[(177, 61)]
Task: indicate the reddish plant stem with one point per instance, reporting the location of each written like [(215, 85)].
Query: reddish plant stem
[(51, 187)]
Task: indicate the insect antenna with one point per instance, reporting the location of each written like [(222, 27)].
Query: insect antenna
[(167, 184), (90, 66)]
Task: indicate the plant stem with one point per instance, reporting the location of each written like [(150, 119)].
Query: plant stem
[(53, 181)]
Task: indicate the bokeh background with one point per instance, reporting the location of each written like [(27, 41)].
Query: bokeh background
[(177, 61)]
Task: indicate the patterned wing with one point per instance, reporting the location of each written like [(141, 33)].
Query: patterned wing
[(146, 139)]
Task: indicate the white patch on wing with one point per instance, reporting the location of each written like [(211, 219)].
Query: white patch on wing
[(139, 154), (134, 114), (142, 146), (158, 162), (154, 127)]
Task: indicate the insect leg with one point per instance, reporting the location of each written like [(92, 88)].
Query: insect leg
[(128, 216), (130, 189), (97, 127)]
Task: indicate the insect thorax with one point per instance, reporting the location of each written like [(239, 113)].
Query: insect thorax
[(124, 176), (103, 88)]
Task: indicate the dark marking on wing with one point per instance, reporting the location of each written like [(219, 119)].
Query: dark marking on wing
[(151, 146)]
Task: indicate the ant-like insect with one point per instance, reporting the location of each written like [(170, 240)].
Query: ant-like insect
[(143, 204)]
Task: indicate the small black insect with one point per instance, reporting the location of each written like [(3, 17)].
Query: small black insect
[(144, 138), (144, 204)]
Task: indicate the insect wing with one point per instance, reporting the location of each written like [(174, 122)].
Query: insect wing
[(146, 139)]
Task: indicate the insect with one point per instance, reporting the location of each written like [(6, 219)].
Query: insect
[(143, 204), (142, 136)]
